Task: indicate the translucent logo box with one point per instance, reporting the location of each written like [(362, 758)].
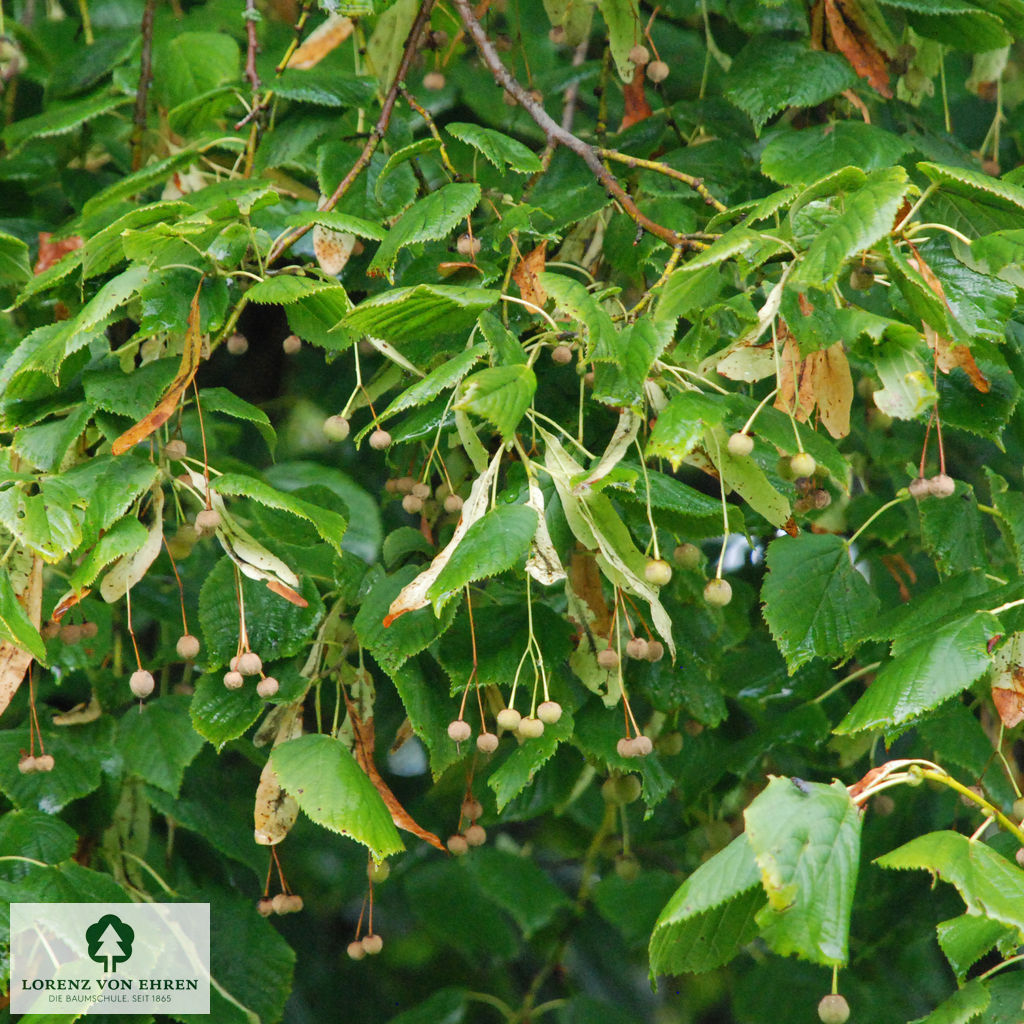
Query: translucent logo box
[(141, 958)]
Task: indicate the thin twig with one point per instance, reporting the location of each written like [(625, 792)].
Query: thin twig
[(252, 48), (145, 79), (408, 54), (556, 133), (653, 165)]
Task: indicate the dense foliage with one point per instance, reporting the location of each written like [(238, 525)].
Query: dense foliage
[(639, 384)]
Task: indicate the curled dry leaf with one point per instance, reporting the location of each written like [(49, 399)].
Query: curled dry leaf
[(190, 356), (67, 602), (637, 108), (1008, 681), (321, 41), (129, 569), (333, 248), (543, 563), (275, 811), (14, 661), (53, 252), (414, 594), (526, 275), (853, 40), (80, 714), (947, 353), (822, 380), (364, 741)]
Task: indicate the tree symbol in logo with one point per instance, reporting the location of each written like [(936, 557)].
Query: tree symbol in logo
[(110, 941)]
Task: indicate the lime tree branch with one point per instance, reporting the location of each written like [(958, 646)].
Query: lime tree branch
[(283, 243), (659, 168), (145, 80), (558, 135)]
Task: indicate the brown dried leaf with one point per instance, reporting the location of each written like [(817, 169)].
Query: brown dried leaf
[(796, 387), (14, 662), (1009, 704), (364, 744), (853, 40), (67, 602), (526, 274), (321, 41), (587, 582), (947, 354), (833, 389), (283, 590), (275, 811), (190, 357), (53, 252), (333, 249), (637, 108)]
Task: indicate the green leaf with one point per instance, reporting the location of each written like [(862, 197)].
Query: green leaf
[(518, 886), (967, 938), (227, 402), (638, 346), (284, 289), (572, 297), (48, 522), (867, 215), (192, 64), (125, 537), (498, 541), (277, 628), (962, 1006), (815, 602), (422, 312), (60, 119), (330, 525), (503, 343), (14, 268), (335, 792), (689, 289), (744, 476), (447, 375), (632, 905), (624, 30), (806, 838), (769, 74), (108, 487), (318, 318), (42, 282), (325, 87), (407, 635), (991, 886), (431, 218), (680, 426), (500, 395), (711, 915), (525, 761), (445, 1006), (951, 531), (337, 221), (801, 156), (499, 149), (158, 743), (15, 625), (36, 835), (907, 389), (219, 714), (937, 667), (399, 159), (76, 773)]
